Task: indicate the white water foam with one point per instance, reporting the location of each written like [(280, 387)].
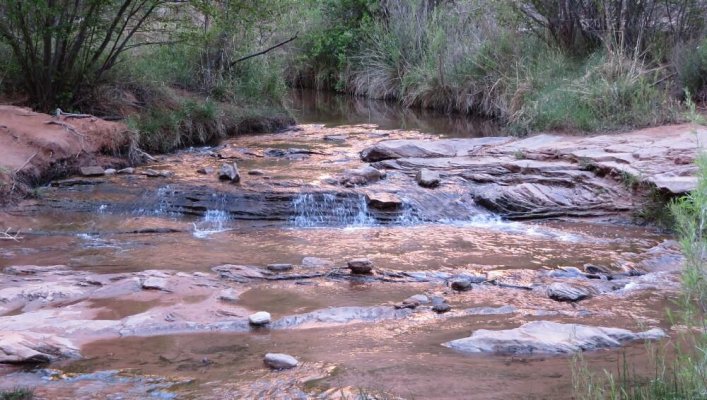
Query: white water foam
[(213, 221)]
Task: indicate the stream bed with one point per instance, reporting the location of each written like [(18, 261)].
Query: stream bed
[(183, 338)]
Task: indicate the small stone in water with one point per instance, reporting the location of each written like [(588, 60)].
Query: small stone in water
[(228, 295), (439, 305), (154, 283), (229, 172), (205, 171), (126, 171), (441, 308), (566, 292), (110, 171), (316, 262), (280, 361), (280, 267), (461, 284), (260, 318), (92, 171), (360, 266), (427, 178), (413, 301), (151, 173), (257, 172)]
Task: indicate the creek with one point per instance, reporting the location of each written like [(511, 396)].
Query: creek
[(290, 205)]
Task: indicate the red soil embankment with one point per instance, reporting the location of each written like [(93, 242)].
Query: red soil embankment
[(36, 147)]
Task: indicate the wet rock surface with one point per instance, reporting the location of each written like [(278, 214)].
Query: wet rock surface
[(544, 337)]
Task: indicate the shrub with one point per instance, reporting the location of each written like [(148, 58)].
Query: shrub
[(692, 69), (17, 394)]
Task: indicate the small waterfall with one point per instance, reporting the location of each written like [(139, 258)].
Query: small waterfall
[(328, 209), (162, 195), (213, 221), (409, 215)]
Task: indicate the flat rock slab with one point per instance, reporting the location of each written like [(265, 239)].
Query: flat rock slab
[(404, 148), (547, 337), (34, 348), (240, 273)]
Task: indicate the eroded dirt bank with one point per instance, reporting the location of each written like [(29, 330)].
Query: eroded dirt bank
[(36, 147), (142, 283)]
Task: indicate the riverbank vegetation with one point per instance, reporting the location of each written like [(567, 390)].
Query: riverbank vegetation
[(189, 72), (680, 365), (534, 65)]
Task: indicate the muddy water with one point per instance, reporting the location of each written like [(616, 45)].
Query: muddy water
[(191, 222)]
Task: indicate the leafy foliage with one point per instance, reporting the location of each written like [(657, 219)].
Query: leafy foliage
[(63, 48)]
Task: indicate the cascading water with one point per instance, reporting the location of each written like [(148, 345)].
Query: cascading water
[(328, 209), (162, 195)]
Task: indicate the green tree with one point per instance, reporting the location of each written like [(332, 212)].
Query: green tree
[(63, 48)]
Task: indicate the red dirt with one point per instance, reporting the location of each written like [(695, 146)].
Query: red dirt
[(35, 147)]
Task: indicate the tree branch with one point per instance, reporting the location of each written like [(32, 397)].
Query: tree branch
[(260, 53)]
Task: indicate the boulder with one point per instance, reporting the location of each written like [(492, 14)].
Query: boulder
[(280, 361), (547, 337), (427, 178), (92, 171), (384, 201), (229, 172), (360, 266), (567, 292), (260, 318), (34, 348)]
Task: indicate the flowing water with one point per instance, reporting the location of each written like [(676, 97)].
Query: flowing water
[(192, 222)]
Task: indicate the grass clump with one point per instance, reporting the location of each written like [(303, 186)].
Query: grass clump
[(17, 394)]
